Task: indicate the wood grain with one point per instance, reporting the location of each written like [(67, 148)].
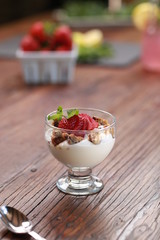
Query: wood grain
[(129, 205)]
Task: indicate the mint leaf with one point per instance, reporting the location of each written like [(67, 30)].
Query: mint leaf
[(58, 115), (55, 117), (60, 110), (72, 112), (49, 117)]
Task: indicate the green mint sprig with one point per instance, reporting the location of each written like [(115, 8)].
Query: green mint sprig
[(59, 114), (72, 112)]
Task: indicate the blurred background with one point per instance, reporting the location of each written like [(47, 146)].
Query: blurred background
[(17, 9), (104, 15)]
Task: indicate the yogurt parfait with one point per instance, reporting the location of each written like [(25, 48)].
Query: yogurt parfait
[(80, 139)]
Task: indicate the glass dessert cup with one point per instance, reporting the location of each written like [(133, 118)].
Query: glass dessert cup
[(80, 151)]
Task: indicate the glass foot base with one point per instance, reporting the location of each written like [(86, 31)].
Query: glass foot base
[(79, 186)]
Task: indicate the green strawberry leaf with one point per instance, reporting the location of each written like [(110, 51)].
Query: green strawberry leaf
[(49, 28)]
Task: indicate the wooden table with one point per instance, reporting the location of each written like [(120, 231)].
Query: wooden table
[(129, 205)]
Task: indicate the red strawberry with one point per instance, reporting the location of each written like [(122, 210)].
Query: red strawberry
[(52, 43), (62, 49), (73, 122), (63, 123), (85, 124), (45, 49), (28, 43), (70, 123), (38, 32), (78, 122), (89, 122), (63, 36)]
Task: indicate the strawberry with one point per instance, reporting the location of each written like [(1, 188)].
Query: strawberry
[(62, 48), (63, 37), (85, 124), (38, 32), (28, 43), (73, 122), (52, 43), (78, 122), (45, 49), (70, 123), (63, 123), (88, 122)]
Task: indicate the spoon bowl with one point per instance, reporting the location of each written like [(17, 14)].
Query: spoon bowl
[(17, 222)]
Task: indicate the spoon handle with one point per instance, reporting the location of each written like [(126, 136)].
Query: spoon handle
[(36, 235)]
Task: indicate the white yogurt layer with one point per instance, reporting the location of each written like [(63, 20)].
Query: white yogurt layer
[(82, 154)]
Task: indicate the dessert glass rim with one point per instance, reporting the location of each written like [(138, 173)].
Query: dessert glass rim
[(86, 131)]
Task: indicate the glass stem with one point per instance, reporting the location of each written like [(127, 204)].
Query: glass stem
[(80, 178)]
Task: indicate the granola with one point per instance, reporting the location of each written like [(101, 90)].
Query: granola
[(94, 138), (101, 121), (74, 139), (58, 137)]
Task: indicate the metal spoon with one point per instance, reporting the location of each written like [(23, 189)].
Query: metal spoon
[(17, 222)]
